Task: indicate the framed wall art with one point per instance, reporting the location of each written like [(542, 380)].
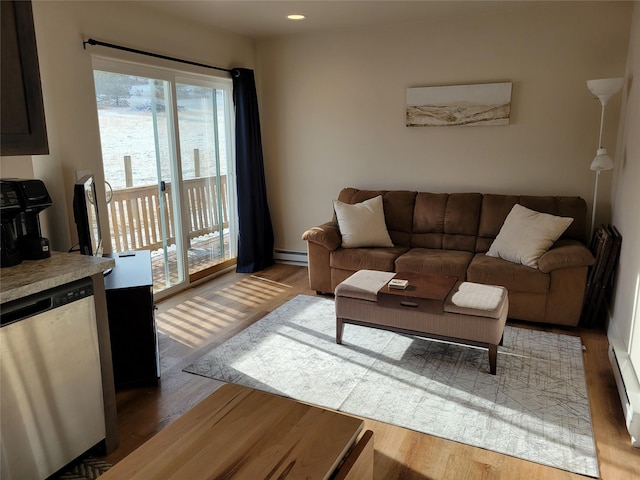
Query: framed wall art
[(459, 105)]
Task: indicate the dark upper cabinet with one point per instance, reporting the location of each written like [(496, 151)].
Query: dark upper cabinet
[(22, 124)]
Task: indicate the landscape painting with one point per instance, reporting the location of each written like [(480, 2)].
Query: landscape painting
[(466, 105)]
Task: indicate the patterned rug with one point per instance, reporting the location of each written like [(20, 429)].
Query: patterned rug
[(87, 469), (535, 408)]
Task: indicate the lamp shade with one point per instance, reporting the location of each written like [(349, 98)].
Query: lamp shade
[(603, 88), (602, 161)]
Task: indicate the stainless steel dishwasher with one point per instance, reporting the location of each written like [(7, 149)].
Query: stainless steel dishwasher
[(51, 404)]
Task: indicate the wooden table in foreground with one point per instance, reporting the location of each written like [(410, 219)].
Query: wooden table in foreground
[(242, 433)]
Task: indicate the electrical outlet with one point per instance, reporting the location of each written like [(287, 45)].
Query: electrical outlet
[(82, 173)]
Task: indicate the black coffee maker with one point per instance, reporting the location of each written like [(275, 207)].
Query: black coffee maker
[(33, 198), (9, 209)]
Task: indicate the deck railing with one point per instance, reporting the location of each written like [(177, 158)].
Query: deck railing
[(135, 213)]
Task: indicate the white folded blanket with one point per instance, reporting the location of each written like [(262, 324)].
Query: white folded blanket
[(478, 296)]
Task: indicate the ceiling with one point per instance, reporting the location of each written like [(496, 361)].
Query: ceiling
[(266, 18)]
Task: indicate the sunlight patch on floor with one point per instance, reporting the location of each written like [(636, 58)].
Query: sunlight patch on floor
[(180, 334), (250, 293), (193, 321), (210, 305)]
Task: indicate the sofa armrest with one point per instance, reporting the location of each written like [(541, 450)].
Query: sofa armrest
[(327, 235), (566, 253)]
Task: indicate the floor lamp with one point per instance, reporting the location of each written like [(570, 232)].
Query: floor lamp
[(604, 89)]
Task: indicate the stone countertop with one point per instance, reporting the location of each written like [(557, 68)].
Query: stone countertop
[(33, 276)]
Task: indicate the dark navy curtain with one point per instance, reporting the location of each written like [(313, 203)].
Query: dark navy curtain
[(255, 231)]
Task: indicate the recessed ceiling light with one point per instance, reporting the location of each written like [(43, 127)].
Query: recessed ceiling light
[(296, 16)]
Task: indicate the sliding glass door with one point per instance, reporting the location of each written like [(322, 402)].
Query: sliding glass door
[(167, 157), (205, 150)]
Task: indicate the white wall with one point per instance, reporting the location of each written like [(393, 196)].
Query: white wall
[(68, 90), (333, 105), (16, 167), (625, 310)]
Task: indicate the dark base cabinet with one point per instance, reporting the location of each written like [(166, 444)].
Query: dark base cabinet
[(134, 341)]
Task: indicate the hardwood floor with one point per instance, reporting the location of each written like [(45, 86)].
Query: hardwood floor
[(193, 321)]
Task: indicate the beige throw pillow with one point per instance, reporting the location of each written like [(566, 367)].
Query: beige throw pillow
[(526, 235), (362, 224)]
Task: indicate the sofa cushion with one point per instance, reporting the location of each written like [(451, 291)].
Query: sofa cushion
[(463, 214), (526, 235), (495, 209), (448, 221), (512, 276), (350, 259), (355, 195), (427, 260), (428, 220), (573, 207), (398, 210), (362, 224), (398, 213)]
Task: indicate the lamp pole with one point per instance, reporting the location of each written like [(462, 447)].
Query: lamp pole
[(603, 88)]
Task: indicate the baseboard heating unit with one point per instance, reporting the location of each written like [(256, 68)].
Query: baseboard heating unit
[(290, 257), (628, 389)]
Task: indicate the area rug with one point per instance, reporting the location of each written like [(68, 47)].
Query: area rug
[(88, 468), (535, 408)]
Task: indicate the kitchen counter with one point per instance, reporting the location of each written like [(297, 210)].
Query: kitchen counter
[(33, 276)]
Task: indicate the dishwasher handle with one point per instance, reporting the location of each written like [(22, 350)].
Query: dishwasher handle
[(40, 302), (26, 311)]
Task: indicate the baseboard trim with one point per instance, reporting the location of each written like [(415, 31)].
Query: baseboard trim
[(627, 383), (291, 257)]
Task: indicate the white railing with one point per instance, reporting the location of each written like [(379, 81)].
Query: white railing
[(135, 213)]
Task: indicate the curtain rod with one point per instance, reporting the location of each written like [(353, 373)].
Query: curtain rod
[(91, 41)]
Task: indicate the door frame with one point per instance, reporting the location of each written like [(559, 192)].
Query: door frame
[(174, 76)]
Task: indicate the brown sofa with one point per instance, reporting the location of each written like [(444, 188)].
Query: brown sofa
[(450, 234)]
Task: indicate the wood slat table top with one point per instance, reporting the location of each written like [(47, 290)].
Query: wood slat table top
[(242, 433), (427, 286), (425, 292)]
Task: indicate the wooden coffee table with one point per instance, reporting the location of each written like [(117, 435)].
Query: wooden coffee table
[(242, 433)]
